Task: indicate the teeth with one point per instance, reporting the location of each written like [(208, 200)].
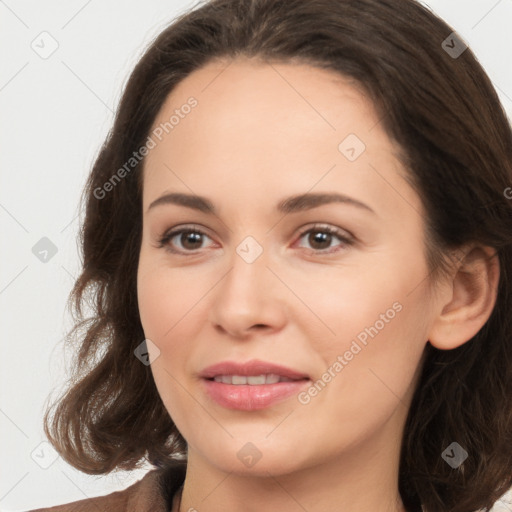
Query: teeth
[(238, 379), (252, 380), (272, 378)]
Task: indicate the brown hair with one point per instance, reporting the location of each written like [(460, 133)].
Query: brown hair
[(457, 148)]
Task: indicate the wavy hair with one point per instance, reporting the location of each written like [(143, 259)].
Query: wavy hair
[(456, 144)]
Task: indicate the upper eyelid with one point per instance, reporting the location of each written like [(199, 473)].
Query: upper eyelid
[(184, 228), (203, 230), (322, 225)]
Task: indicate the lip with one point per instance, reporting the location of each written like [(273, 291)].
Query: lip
[(246, 397), (253, 367)]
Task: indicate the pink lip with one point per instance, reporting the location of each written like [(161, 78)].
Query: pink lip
[(247, 397), (254, 367)]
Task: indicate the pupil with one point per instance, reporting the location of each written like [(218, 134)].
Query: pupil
[(191, 237), (319, 237)]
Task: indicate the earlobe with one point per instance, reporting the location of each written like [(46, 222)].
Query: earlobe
[(474, 289)]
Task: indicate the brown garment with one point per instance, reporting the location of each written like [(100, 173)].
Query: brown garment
[(154, 492)]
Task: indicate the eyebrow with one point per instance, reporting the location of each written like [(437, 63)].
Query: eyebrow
[(291, 204)]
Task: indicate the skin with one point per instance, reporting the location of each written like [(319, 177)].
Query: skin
[(259, 134)]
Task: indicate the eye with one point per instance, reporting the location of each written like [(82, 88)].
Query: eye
[(187, 238), (320, 238)]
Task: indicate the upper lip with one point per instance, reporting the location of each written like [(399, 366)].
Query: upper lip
[(253, 367)]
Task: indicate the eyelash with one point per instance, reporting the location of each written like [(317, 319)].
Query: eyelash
[(169, 235)]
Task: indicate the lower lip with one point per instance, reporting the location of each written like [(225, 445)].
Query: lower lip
[(245, 397)]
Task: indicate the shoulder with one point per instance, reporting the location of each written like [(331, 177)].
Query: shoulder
[(149, 494)]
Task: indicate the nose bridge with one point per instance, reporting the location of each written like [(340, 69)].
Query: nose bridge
[(247, 277), (246, 295)]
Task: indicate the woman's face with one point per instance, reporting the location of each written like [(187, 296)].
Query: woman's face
[(334, 289)]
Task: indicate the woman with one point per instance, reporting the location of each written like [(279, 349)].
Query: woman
[(298, 243)]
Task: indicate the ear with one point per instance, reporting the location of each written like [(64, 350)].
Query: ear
[(468, 298)]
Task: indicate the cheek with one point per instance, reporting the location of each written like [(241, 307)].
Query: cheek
[(156, 308), (172, 308), (384, 358), (163, 305), (369, 372), (379, 328), (165, 298)]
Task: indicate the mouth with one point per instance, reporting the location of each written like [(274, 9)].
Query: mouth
[(252, 385), (252, 380)]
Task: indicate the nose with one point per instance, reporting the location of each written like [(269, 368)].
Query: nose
[(248, 299)]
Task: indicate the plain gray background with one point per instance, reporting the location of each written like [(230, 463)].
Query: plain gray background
[(56, 111)]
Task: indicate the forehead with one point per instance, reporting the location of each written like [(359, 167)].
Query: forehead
[(247, 93), (278, 123)]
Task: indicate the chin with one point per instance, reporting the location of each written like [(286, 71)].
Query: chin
[(259, 458)]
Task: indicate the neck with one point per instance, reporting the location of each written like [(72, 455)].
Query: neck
[(362, 479)]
